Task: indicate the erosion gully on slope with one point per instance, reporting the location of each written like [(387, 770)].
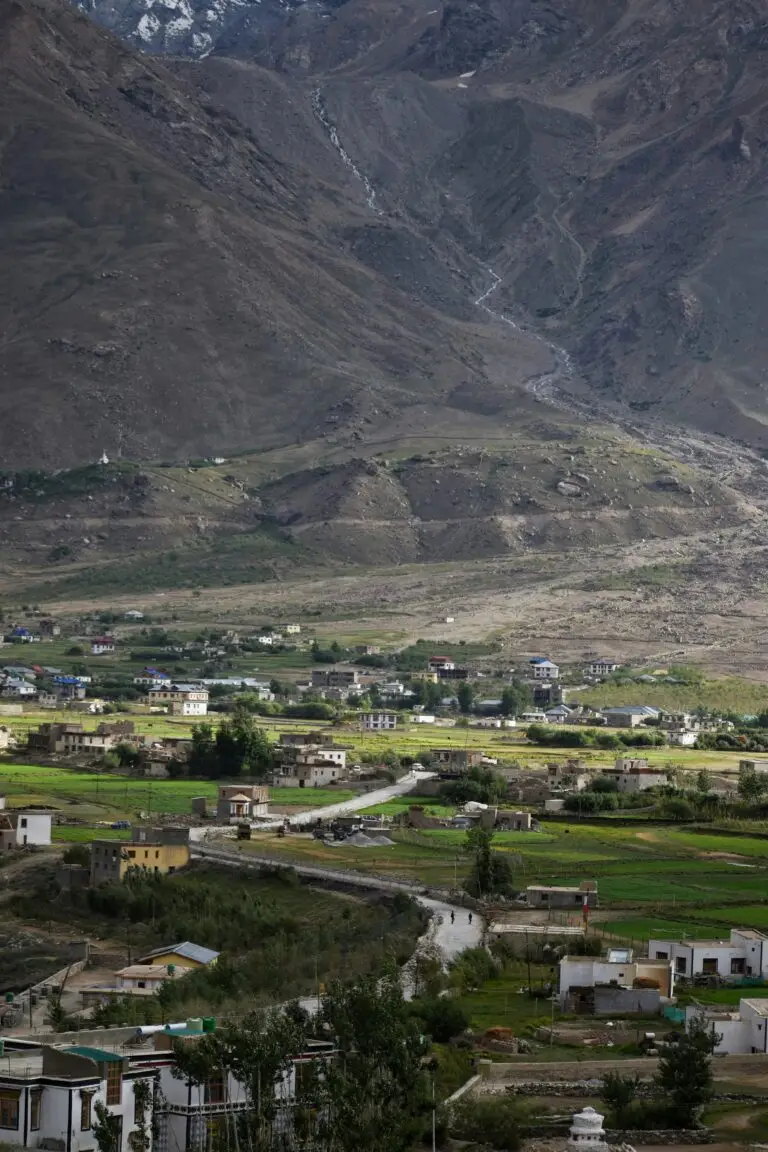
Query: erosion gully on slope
[(544, 386), (703, 451)]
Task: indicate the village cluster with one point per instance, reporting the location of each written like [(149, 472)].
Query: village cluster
[(442, 692)]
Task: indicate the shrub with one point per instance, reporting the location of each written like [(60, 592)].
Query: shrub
[(78, 854), (442, 1017), (495, 1121)]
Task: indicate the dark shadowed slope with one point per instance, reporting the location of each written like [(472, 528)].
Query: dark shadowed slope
[(171, 287)]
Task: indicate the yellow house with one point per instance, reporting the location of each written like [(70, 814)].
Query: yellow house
[(111, 859), (184, 955)]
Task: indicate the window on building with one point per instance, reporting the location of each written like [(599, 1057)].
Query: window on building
[(681, 965), (157, 854), (114, 1082), (709, 966), (216, 1090), (23, 821), (86, 1099), (661, 955), (131, 854), (35, 1099), (9, 1109), (738, 966)]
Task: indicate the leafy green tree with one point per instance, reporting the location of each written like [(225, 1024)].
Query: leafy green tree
[(491, 873), (106, 1129), (237, 747), (675, 808), (478, 784), (604, 784), (434, 693), (442, 1018), (259, 1053), (202, 755), (373, 1095), (472, 968), (516, 697), (751, 785), (685, 1071), (618, 1093), (127, 755), (78, 854), (702, 781), (465, 697)]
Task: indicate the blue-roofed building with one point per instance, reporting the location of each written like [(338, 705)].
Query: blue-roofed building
[(543, 669), (19, 635), (68, 688)]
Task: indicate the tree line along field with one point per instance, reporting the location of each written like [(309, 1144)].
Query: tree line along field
[(409, 740)]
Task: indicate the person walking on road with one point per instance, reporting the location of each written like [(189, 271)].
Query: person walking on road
[(453, 916), (470, 917)]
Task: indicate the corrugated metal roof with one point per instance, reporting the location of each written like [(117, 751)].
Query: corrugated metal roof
[(100, 1055), (187, 949)]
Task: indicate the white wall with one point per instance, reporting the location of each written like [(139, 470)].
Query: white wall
[(584, 972), (755, 953), (695, 953), (194, 708), (757, 1025), (37, 829), (55, 1116), (735, 1038)]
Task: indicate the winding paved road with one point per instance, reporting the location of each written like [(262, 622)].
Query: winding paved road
[(449, 937), (357, 803)]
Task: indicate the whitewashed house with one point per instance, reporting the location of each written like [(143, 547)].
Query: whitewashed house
[(102, 645), (48, 1096), (739, 1033), (20, 828), (744, 954), (181, 699), (379, 721)]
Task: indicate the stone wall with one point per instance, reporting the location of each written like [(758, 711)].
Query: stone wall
[(656, 1136), (578, 1089)]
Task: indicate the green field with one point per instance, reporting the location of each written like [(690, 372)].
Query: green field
[(728, 694), (656, 880), (121, 662), (100, 796)]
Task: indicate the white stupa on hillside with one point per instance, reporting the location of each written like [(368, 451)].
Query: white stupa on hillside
[(587, 1130)]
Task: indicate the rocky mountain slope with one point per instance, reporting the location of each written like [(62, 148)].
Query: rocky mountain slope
[(317, 232), (173, 287), (606, 160)]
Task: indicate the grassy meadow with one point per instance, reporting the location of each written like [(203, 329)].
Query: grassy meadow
[(101, 796)]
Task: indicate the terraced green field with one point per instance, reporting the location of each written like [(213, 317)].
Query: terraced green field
[(101, 796), (654, 879)]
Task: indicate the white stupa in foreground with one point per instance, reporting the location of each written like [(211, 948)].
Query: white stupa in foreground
[(587, 1130)]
